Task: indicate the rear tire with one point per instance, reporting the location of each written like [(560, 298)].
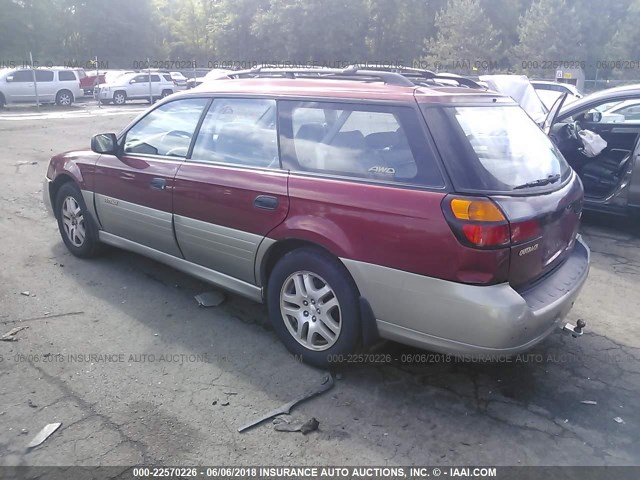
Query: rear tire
[(77, 228), (64, 98), (313, 306), (105, 102), (166, 93)]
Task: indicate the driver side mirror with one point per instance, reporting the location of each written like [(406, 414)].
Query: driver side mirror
[(105, 143), (593, 117)]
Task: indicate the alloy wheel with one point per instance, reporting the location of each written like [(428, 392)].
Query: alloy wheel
[(73, 221), (310, 310)]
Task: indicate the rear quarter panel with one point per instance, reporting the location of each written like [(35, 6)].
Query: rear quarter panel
[(396, 227)]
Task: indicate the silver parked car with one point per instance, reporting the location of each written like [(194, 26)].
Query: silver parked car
[(55, 85)]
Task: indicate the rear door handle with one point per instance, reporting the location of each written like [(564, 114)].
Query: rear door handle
[(158, 184), (265, 202)]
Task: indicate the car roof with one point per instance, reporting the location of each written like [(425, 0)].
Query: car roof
[(343, 89), (625, 92)]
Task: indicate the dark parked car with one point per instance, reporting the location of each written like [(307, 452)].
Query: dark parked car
[(611, 179), (354, 203)]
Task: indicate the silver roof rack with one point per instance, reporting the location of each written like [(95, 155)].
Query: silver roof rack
[(400, 76), (350, 73)]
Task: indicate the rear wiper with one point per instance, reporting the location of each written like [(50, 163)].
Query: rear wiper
[(539, 183)]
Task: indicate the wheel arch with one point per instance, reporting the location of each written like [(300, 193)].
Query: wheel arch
[(275, 250), (54, 188)]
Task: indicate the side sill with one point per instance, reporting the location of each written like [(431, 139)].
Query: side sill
[(210, 276)]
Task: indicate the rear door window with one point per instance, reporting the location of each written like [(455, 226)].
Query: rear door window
[(495, 149), (44, 76), (382, 143)]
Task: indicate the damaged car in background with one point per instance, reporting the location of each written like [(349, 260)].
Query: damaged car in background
[(610, 172)]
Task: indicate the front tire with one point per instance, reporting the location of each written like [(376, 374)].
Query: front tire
[(77, 228), (119, 98), (313, 306), (64, 98)]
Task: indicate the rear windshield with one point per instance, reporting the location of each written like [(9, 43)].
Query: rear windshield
[(495, 148)]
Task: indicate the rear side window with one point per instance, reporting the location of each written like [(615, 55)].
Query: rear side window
[(370, 142), (155, 78), (495, 148), (240, 132), (166, 130), (44, 76), (167, 78), (66, 76)]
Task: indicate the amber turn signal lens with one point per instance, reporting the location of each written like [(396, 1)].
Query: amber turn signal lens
[(476, 210)]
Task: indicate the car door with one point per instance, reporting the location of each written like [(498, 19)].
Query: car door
[(47, 87), (133, 190), (138, 87), (231, 192), (20, 87)]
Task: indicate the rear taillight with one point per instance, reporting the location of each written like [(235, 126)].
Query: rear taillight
[(525, 231), (478, 222)]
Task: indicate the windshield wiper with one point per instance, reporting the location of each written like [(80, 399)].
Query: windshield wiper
[(539, 183)]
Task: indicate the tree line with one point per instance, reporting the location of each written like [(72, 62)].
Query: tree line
[(463, 36)]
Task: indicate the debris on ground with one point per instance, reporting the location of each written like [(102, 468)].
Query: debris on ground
[(225, 404), (309, 426), (10, 336), (618, 420), (26, 293), (326, 385), (589, 402), (31, 404), (210, 299), (43, 434)]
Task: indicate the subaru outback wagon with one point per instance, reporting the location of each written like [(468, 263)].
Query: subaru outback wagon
[(356, 204)]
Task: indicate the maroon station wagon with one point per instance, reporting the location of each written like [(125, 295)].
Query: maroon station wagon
[(356, 204)]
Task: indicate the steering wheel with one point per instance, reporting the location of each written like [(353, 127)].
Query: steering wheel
[(178, 133)]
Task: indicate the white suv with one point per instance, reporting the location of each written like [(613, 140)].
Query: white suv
[(59, 85), (135, 86)]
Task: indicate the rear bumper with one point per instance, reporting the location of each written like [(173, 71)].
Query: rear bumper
[(456, 318)]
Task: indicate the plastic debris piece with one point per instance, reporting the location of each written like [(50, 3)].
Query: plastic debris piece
[(10, 336), (26, 293), (618, 420), (210, 299), (326, 385), (43, 434), (589, 402), (309, 426)]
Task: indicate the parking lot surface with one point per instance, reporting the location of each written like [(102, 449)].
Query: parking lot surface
[(118, 350)]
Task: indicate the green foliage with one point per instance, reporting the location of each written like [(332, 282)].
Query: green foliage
[(466, 39), (456, 33)]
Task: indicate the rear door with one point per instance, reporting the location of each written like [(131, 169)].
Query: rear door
[(133, 191), (47, 87), (232, 191)]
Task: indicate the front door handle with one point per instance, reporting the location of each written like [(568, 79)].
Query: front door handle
[(266, 202), (158, 184)]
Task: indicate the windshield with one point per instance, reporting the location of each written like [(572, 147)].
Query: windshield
[(500, 149)]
